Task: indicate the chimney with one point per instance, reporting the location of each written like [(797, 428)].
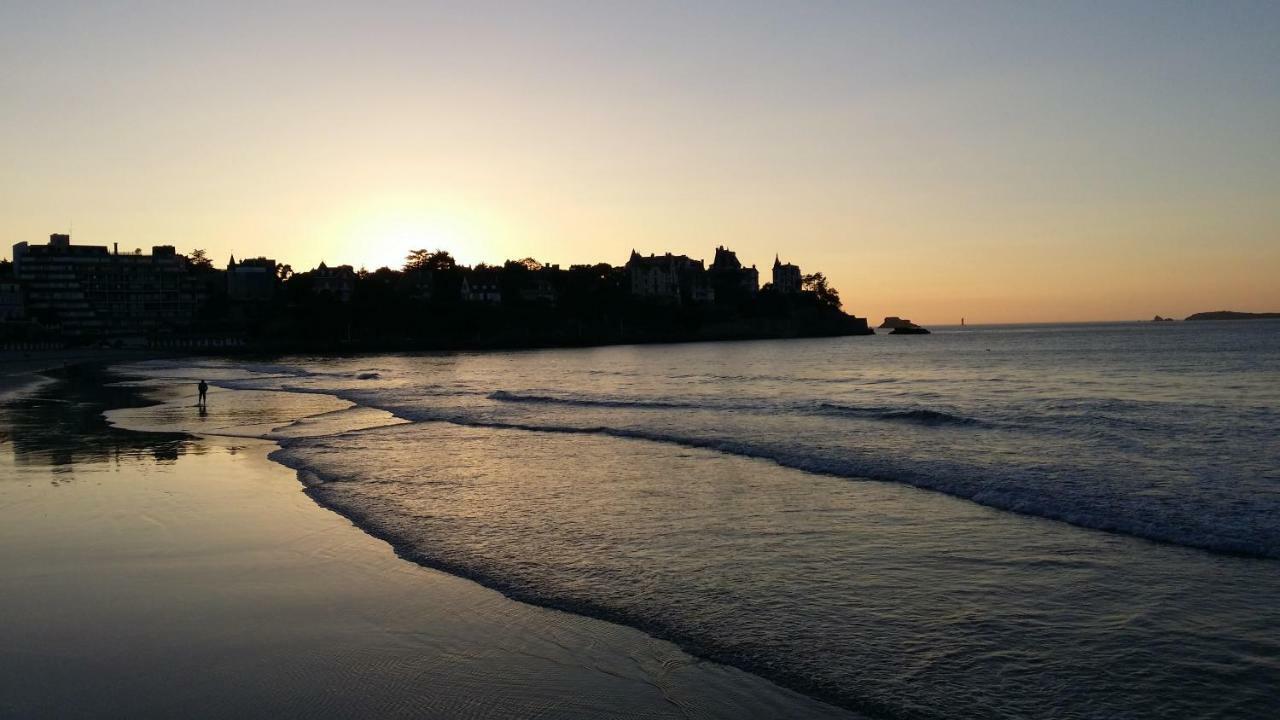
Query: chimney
[(115, 248)]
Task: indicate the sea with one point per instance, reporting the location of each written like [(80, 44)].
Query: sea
[(1030, 521)]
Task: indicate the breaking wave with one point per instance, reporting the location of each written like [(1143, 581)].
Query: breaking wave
[(1028, 490)]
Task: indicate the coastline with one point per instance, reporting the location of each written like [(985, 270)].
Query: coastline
[(219, 588), (313, 488), (500, 505)]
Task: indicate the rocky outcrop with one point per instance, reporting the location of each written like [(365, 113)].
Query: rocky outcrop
[(902, 326)]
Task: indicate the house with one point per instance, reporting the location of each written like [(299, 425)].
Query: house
[(421, 283), (669, 278), (537, 286), (786, 277), (337, 282), (729, 279), (253, 280), (481, 286)]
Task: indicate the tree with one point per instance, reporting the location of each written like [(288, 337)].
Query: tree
[(429, 260), (817, 284), (527, 263), (199, 261), (283, 272)]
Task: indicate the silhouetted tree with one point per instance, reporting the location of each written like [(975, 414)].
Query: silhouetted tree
[(817, 284), (198, 261), (429, 260)]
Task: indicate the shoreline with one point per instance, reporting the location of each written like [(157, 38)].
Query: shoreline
[(598, 613), (504, 504), (311, 485), (595, 654)]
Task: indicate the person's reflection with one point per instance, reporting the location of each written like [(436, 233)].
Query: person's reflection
[(204, 411)]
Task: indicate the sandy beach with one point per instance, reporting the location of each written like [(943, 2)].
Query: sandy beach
[(156, 575)]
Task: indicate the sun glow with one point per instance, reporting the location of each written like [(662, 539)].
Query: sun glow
[(384, 237)]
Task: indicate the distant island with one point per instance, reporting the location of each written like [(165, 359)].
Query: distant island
[(1233, 315), (65, 295)]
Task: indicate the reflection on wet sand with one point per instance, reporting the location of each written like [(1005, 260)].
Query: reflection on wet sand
[(61, 424)]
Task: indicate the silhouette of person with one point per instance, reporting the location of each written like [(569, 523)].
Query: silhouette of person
[(204, 391)]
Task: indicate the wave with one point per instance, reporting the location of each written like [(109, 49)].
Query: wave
[(658, 625), (510, 397), (1033, 489), (921, 416), (751, 378), (1014, 494)]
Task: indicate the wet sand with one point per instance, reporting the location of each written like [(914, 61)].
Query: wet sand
[(20, 370), (155, 575)]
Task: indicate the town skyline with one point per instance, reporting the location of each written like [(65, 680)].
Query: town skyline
[(81, 295), (469, 260), (998, 162)]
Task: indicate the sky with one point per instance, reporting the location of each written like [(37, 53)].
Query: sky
[(1002, 162)]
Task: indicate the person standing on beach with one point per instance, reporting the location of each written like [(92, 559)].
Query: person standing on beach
[(204, 391)]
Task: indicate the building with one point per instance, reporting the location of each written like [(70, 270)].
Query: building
[(669, 278), (729, 279), (481, 286), (336, 282), (12, 308), (91, 291), (421, 283), (538, 286), (786, 278), (252, 281)]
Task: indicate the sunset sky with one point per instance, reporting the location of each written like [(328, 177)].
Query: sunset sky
[(1005, 162)]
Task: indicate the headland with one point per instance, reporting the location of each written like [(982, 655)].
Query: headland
[(1233, 315)]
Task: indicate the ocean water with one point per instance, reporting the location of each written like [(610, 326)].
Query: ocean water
[(1073, 521)]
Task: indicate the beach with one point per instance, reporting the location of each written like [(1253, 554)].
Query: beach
[(897, 361), (153, 575), (1062, 521)]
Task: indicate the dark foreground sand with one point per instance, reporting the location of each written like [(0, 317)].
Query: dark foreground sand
[(20, 370), (152, 575)]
